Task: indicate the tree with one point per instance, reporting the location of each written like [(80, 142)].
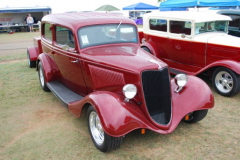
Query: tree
[(161, 0)]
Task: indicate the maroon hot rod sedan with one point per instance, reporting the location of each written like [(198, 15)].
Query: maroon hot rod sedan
[(94, 61), (195, 43)]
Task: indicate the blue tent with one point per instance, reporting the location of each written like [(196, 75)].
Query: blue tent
[(198, 3), (174, 9), (141, 6)]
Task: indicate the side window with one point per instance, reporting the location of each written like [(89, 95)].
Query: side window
[(158, 24), (180, 27), (64, 36), (47, 31)]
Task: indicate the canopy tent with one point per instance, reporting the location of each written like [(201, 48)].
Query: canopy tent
[(17, 16), (141, 6), (174, 9), (198, 3), (107, 8), (25, 10)]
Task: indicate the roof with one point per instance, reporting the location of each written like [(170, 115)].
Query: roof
[(189, 16), (76, 20), (25, 10)]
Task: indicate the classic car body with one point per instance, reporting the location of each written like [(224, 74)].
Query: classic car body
[(195, 43), (234, 25), (123, 87)]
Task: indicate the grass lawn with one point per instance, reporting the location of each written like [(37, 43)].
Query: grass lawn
[(35, 125)]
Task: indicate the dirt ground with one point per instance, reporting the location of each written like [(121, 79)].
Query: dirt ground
[(35, 125)]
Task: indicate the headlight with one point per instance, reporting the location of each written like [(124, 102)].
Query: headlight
[(181, 81), (130, 91)]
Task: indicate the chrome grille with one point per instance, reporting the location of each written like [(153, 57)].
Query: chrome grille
[(157, 94)]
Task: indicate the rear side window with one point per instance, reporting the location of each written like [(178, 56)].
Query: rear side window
[(158, 24), (180, 27), (64, 36), (47, 31)]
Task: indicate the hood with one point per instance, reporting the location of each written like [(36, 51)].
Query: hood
[(218, 38), (225, 40), (128, 57)]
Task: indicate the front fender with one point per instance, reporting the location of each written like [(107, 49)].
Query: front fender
[(49, 76), (196, 95), (117, 116), (231, 64)]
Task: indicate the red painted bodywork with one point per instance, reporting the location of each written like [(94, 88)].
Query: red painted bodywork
[(36, 50), (192, 57), (103, 70), (129, 116)]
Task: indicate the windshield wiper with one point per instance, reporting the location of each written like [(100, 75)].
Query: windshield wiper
[(117, 28)]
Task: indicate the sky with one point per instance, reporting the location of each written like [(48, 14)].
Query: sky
[(60, 6)]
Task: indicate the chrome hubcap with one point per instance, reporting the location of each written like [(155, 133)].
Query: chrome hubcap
[(224, 82), (96, 128), (41, 76)]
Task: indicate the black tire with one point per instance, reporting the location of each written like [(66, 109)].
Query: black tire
[(226, 82), (146, 49), (196, 116), (101, 139), (31, 64), (41, 76)]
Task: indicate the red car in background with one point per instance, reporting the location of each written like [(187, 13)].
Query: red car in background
[(195, 43), (94, 61)]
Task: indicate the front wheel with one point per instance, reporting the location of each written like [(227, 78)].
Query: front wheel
[(226, 82), (196, 116), (101, 139)]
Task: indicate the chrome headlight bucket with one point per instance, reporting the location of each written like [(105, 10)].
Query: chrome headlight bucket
[(130, 91), (181, 81)]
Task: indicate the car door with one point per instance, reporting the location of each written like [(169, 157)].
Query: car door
[(68, 60), (179, 47)]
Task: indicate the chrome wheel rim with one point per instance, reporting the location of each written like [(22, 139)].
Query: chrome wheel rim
[(28, 59), (224, 82), (96, 128), (41, 76)]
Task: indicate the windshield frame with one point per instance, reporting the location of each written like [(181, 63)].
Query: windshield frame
[(103, 34)]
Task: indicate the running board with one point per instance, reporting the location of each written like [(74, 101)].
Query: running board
[(64, 94)]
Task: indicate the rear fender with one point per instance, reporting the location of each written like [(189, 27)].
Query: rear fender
[(33, 53), (156, 51), (117, 116), (233, 65)]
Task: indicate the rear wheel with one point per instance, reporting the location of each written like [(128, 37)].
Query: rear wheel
[(196, 116), (146, 49), (226, 82), (31, 64), (101, 139), (41, 76)]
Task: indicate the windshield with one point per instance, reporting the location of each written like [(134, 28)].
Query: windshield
[(107, 34), (212, 26)]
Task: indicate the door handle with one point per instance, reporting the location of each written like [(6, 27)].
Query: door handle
[(76, 61)]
